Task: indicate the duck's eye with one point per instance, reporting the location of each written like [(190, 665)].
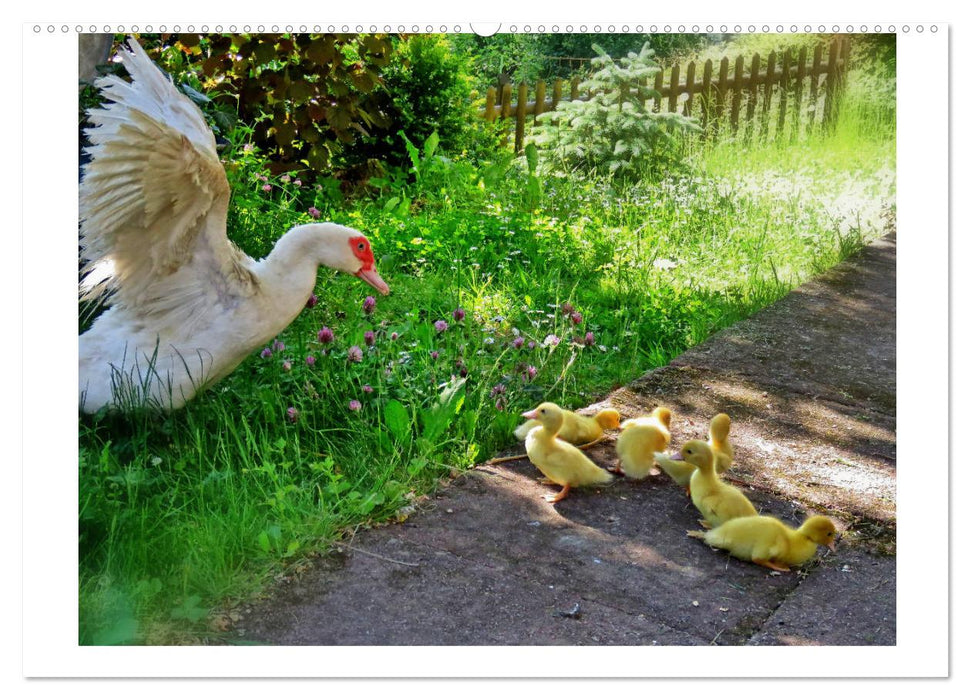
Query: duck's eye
[(542, 410), (360, 246)]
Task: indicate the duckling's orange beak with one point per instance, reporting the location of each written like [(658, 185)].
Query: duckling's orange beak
[(677, 456), (832, 546), (531, 414)]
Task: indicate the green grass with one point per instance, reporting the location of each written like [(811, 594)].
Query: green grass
[(184, 516)]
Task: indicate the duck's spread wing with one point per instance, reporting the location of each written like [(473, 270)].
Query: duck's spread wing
[(153, 201)]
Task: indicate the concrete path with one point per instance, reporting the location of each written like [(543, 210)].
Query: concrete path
[(810, 384)]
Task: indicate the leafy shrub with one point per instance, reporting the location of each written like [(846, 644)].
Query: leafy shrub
[(616, 131), (305, 95), (427, 89)]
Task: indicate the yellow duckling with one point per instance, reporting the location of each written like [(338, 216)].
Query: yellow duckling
[(578, 429), (769, 542), (719, 442), (560, 462), (717, 501), (640, 439), (681, 471)]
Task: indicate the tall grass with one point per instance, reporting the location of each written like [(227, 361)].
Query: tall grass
[(182, 516)]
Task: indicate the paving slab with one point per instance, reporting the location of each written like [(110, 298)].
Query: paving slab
[(810, 385)]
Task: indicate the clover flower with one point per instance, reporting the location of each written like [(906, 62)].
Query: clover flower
[(292, 414), (369, 304), (267, 187), (577, 318), (312, 301), (325, 335), (354, 405), (441, 326), (458, 314), (518, 342), (367, 389), (266, 353), (551, 341), (287, 366), (278, 346), (314, 212), (355, 354), (588, 338), (369, 338), (311, 360), (434, 354), (394, 336)]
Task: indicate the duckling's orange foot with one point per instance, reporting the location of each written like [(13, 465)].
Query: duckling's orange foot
[(616, 469), (697, 534), (545, 480), (771, 565), (655, 471), (705, 524), (558, 497)]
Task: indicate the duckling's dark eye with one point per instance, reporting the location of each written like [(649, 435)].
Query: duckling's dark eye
[(542, 410)]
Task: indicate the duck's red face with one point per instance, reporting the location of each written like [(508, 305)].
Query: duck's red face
[(361, 248)]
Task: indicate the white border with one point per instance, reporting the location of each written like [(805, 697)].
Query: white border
[(50, 457)]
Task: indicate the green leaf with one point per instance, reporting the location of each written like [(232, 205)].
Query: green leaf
[(431, 143), (397, 419), (263, 540)]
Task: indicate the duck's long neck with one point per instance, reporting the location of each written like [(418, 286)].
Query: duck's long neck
[(288, 274)]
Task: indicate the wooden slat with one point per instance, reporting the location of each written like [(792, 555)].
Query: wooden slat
[(557, 92), (504, 108), (521, 117), (832, 76), (490, 105), (673, 89), (814, 74), (706, 94), (689, 82), (575, 87), (783, 92), (540, 104), (658, 86), (737, 91), (800, 78), (753, 95), (721, 93), (770, 79)]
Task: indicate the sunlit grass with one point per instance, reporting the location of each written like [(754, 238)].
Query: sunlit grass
[(189, 513)]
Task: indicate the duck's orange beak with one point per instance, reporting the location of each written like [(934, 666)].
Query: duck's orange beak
[(371, 276), (530, 414)]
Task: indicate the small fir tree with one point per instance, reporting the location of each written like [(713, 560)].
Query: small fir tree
[(616, 131)]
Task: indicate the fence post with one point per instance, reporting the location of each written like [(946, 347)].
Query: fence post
[(753, 95), (504, 109), (575, 88), (521, 117), (490, 105), (737, 91), (721, 94), (540, 106), (706, 95), (673, 97), (689, 83), (814, 84), (767, 104), (557, 92), (800, 77), (783, 93), (832, 76), (658, 86)]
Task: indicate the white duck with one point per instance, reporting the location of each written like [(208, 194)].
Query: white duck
[(187, 305)]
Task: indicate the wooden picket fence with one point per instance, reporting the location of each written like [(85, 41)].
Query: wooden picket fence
[(802, 89)]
